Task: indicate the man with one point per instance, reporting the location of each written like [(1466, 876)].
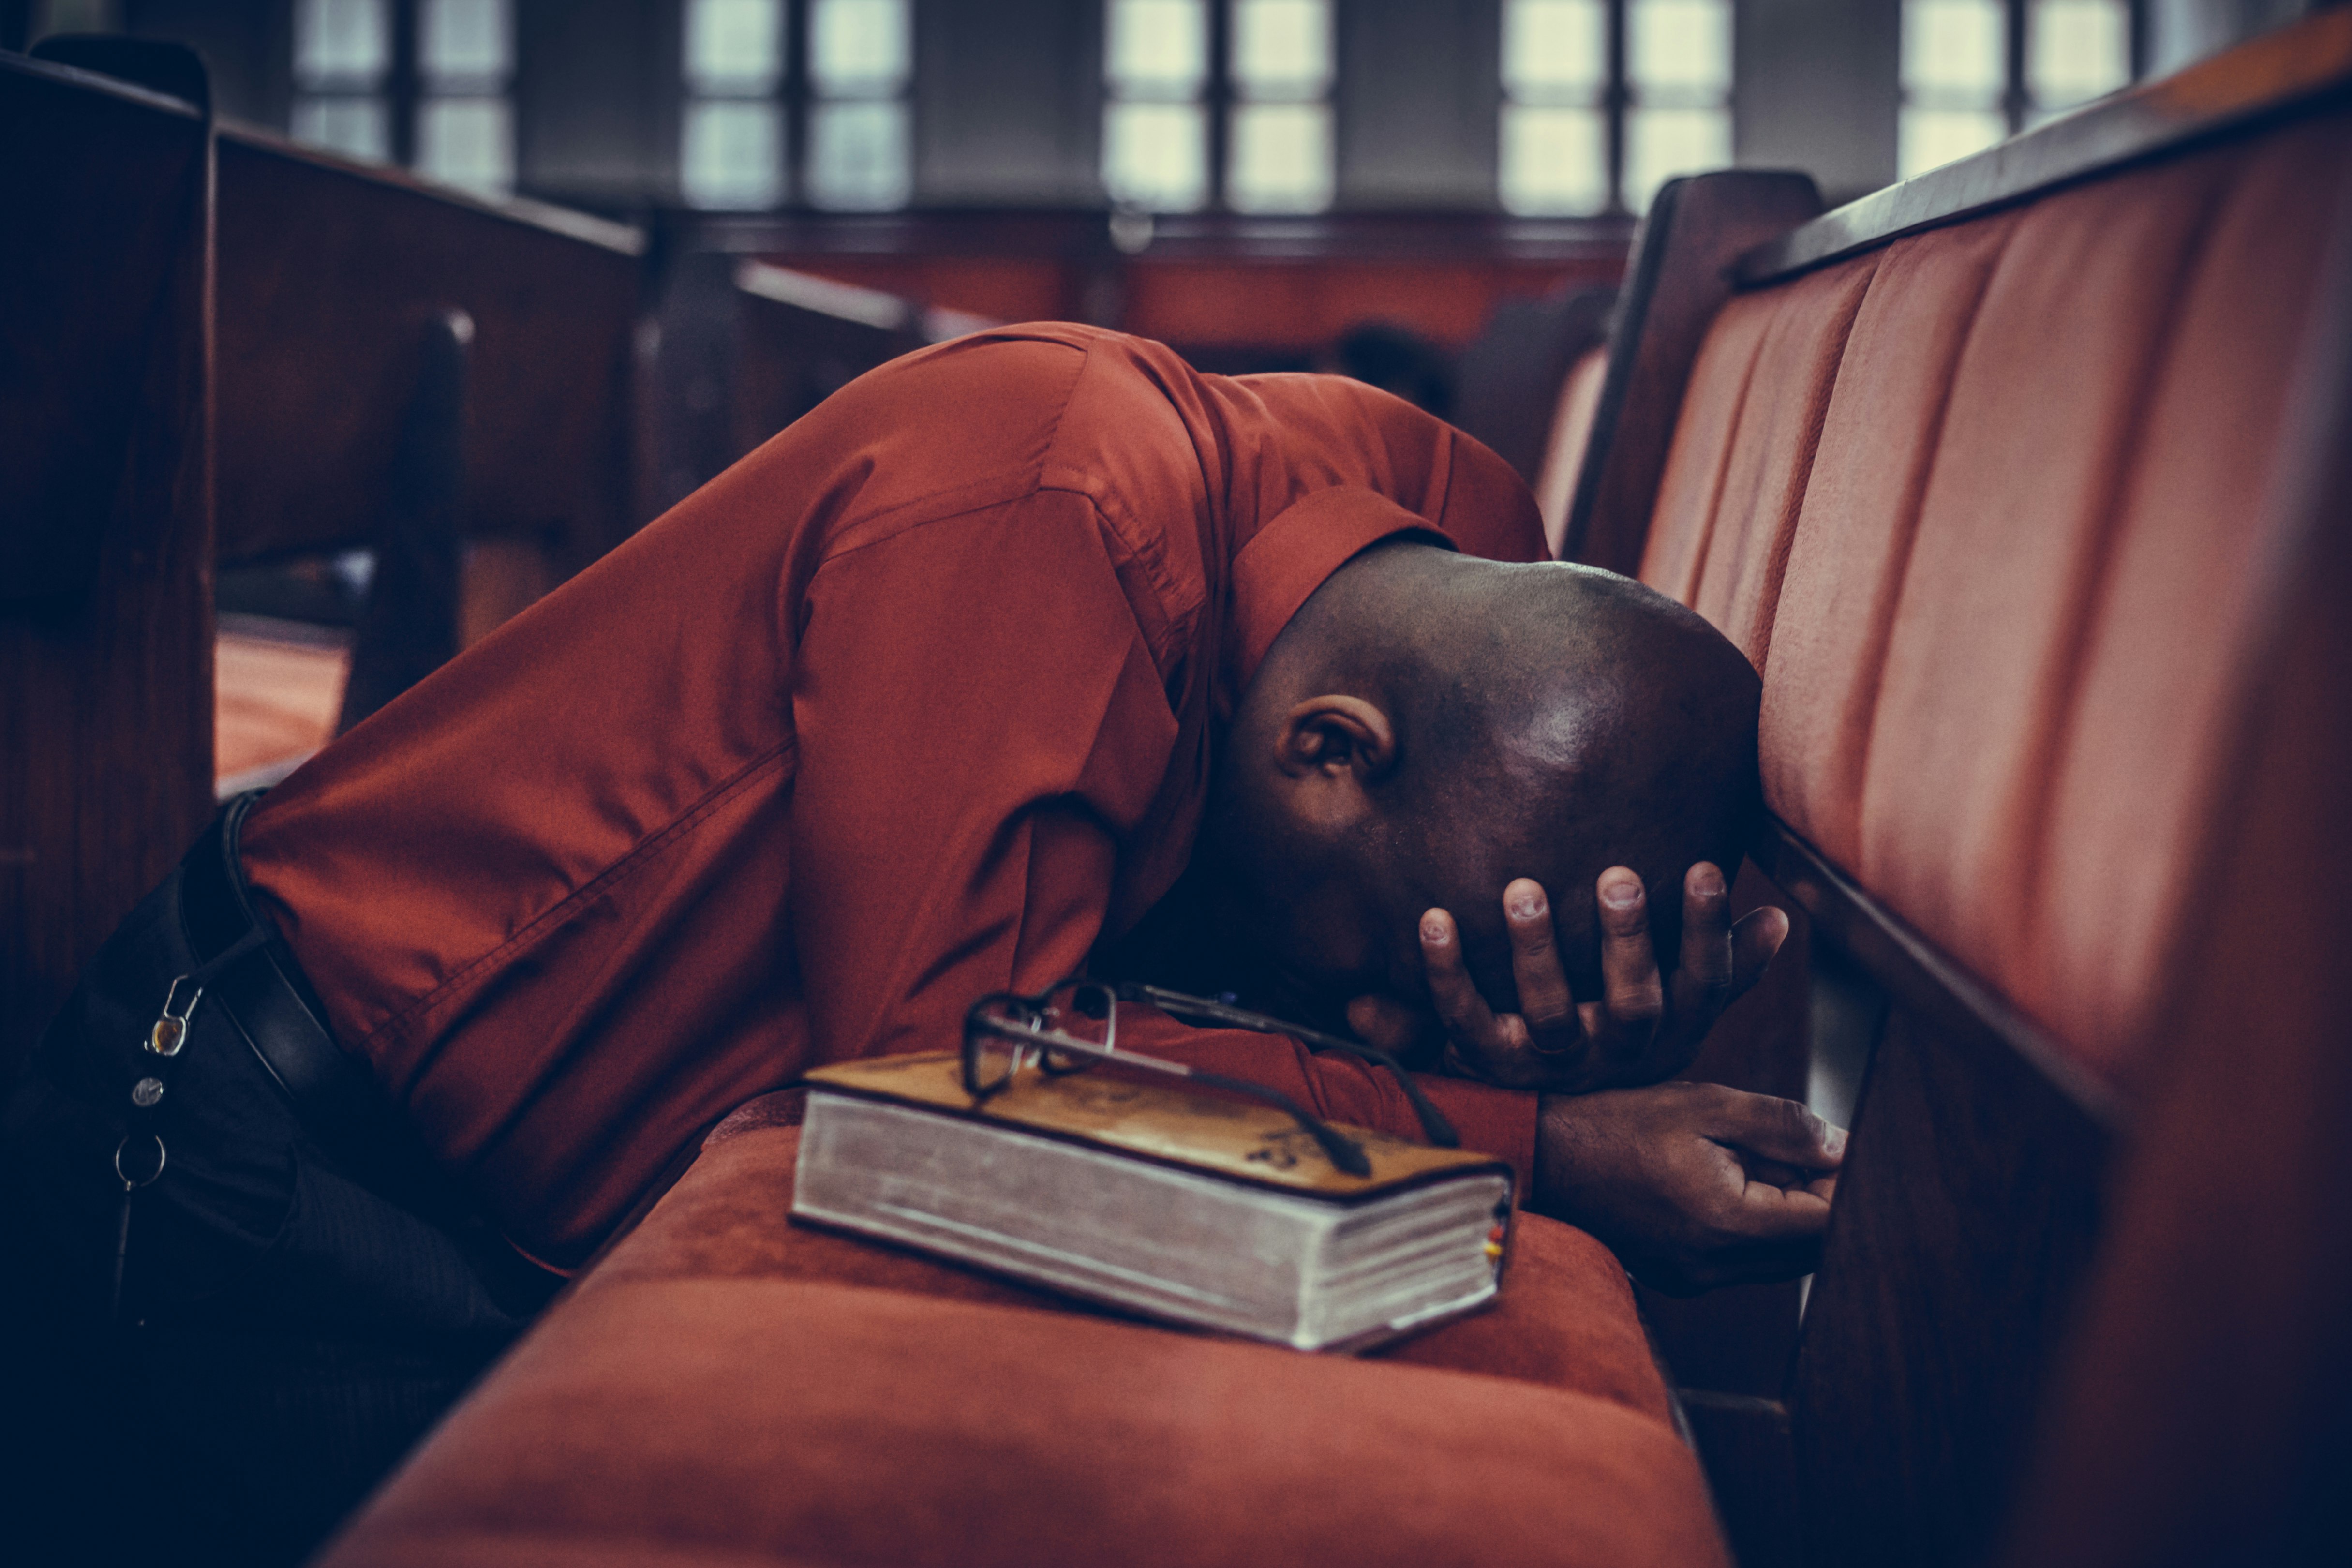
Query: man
[(936, 693)]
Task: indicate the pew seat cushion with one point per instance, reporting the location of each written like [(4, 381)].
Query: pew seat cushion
[(726, 1387)]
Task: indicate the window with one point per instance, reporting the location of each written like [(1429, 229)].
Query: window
[(2076, 50), (444, 111), (861, 59), (731, 148), (1155, 128), (1678, 93), (1604, 100), (465, 123), (1977, 70), (342, 66), (1213, 100), (1279, 159), (841, 70)]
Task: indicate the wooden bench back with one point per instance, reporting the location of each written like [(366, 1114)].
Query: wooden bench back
[(329, 272), (747, 347), (105, 513), (1994, 477)]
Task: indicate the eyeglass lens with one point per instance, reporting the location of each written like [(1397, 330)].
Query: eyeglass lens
[(1085, 1011)]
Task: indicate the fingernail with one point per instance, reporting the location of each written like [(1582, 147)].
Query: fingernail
[(1710, 882), (1835, 1142), (1433, 931), (1527, 906), (1622, 894)]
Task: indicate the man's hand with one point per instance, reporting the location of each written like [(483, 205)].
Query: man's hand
[(1641, 1030), (1693, 1185)]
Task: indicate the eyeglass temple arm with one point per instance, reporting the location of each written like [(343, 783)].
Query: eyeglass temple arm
[(1345, 1154), (1435, 1126)]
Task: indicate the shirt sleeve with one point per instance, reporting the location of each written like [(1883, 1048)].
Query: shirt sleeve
[(980, 723), (1311, 432)]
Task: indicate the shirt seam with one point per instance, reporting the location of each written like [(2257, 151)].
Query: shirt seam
[(644, 850)]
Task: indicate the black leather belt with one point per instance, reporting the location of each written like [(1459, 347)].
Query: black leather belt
[(334, 1096)]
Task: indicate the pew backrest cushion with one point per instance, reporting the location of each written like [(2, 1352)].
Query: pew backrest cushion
[(2025, 487), (1991, 508)]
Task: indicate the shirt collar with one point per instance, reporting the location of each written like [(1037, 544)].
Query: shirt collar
[(1282, 564)]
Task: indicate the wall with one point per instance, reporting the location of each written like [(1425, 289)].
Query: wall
[(1008, 94), (1419, 103), (1007, 98), (597, 99), (1817, 89)]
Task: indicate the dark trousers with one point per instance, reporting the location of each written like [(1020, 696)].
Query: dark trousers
[(293, 1315)]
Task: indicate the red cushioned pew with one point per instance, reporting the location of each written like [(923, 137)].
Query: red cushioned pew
[(2021, 485), (2024, 484)]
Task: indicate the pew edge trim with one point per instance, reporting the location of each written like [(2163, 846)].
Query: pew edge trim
[(2271, 77), (1917, 972)]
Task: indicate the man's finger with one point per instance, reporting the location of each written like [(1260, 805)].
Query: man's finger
[(1768, 1213), (1545, 1002), (1629, 970), (1778, 1129), (1459, 1006), (1706, 965)]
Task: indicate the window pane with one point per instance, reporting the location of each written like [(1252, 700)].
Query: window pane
[(2076, 50), (1663, 143), (1555, 160), (467, 141), (1682, 45), (1158, 46), (1281, 158), (1955, 50), (345, 40), (734, 46), (857, 156), (1282, 45), (732, 155), (468, 38), (358, 127), (859, 46), (1929, 138), (1556, 48), (1155, 155)]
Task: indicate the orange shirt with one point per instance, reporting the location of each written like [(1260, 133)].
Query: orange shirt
[(914, 703)]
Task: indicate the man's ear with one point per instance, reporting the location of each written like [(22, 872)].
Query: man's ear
[(1331, 735)]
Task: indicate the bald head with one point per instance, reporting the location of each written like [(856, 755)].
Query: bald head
[(1431, 726)]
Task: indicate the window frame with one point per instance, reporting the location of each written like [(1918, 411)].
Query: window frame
[(795, 98), (405, 88), (1617, 101), (1221, 96), (2016, 104)]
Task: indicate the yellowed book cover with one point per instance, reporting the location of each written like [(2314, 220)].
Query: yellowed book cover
[(1156, 1197), (1159, 1121)]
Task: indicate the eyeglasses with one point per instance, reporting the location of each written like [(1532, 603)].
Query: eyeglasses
[(1076, 1025)]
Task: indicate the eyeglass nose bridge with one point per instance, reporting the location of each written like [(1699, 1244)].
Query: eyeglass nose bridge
[(1090, 999)]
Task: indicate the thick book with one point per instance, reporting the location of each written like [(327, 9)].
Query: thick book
[(1171, 1203)]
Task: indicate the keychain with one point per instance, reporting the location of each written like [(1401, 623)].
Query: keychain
[(135, 1170)]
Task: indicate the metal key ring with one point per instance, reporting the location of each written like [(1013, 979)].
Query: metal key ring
[(161, 1155)]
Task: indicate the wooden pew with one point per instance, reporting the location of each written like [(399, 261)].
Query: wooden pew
[(745, 347), (1508, 378), (440, 379), (106, 516), (2024, 484), (346, 290)]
